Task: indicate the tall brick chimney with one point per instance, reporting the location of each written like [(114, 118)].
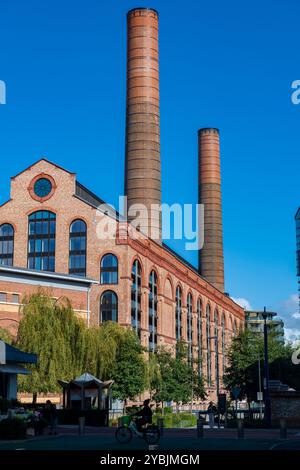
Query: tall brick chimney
[(211, 260), (143, 168)]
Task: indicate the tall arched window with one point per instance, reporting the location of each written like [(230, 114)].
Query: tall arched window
[(136, 284), (223, 344), (208, 348), (189, 325), (199, 336), (216, 340), (153, 311), (41, 240), (77, 254), (234, 328), (6, 245), (109, 269), (109, 307), (178, 314)]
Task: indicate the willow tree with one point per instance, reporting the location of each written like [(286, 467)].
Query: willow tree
[(5, 335), (55, 334)]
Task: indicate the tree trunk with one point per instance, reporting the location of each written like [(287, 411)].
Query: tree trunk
[(34, 398)]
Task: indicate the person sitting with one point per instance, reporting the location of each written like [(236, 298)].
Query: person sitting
[(144, 416)]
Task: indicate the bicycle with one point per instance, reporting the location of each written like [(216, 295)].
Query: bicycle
[(125, 433)]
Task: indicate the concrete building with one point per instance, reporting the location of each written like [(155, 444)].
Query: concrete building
[(255, 322), (57, 234)]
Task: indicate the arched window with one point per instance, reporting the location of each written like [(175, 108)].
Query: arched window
[(109, 269), (136, 284), (223, 344), (178, 314), (109, 307), (199, 336), (216, 340), (6, 245), (77, 254), (41, 241), (208, 348), (153, 311), (189, 325), (234, 328)]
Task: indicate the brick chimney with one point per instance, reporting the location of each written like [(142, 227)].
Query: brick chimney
[(143, 168), (211, 260)]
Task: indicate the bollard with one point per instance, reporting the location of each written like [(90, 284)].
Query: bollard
[(81, 425), (283, 429), (240, 429), (199, 428), (161, 425)]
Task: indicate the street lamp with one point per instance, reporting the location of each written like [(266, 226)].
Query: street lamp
[(266, 372)]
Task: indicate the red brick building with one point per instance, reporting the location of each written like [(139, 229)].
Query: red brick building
[(49, 237), (54, 235)]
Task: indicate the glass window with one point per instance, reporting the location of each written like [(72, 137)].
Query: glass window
[(136, 284), (3, 297), (216, 340), (109, 307), (15, 298), (41, 241), (109, 269), (208, 348), (199, 336), (6, 245), (178, 314), (189, 325), (223, 344), (153, 311), (77, 249)]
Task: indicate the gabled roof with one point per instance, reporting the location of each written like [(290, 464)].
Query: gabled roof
[(42, 160)]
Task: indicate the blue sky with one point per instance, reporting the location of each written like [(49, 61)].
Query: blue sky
[(223, 64)]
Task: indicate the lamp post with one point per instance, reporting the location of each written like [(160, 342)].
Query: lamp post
[(266, 372)]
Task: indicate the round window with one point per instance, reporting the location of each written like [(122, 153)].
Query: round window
[(42, 187)]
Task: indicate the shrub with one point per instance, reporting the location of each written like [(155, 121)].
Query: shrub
[(6, 404), (13, 428)]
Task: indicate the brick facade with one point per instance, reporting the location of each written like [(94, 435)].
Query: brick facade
[(170, 269)]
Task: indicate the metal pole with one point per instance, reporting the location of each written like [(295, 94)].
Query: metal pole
[(266, 373), (259, 386), (217, 377)]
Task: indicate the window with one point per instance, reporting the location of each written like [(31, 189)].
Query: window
[(109, 269), (41, 241), (77, 255), (216, 339), (153, 311), (108, 307), (15, 298), (136, 284), (6, 245), (208, 350), (234, 328), (199, 336), (178, 314), (223, 344), (189, 325), (3, 297)]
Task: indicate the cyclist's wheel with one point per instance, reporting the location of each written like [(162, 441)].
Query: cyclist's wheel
[(152, 435), (123, 435)]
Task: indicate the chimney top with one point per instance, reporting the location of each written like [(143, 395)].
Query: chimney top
[(213, 130), (142, 8)]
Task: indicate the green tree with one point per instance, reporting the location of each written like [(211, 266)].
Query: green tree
[(244, 354), (5, 336), (129, 370), (53, 332)]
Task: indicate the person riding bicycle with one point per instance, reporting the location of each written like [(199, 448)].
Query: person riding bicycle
[(144, 416)]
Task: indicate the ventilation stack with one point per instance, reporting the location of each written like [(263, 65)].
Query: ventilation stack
[(143, 167), (211, 260)]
